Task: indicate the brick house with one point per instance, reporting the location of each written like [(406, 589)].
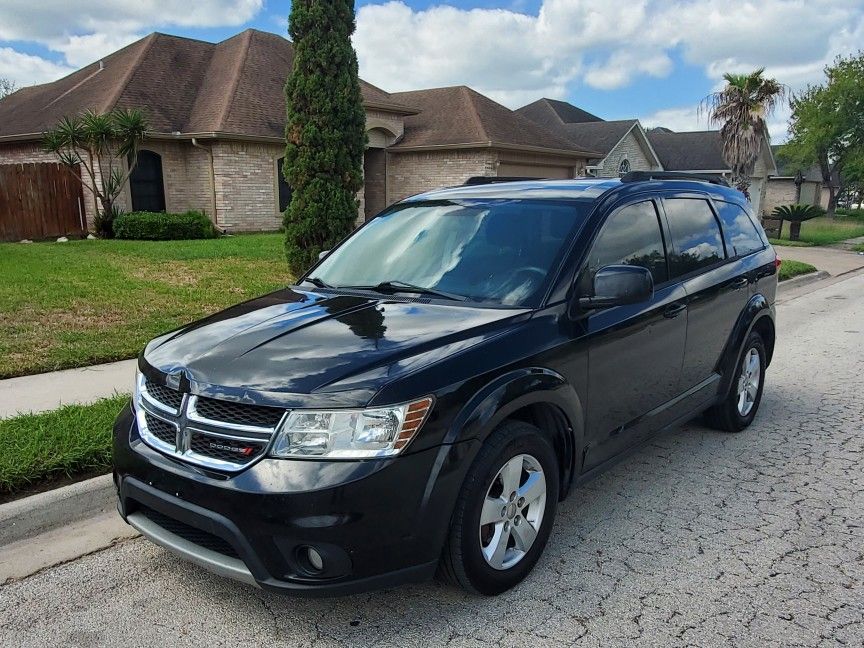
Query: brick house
[(623, 143), (702, 152), (217, 116), (627, 146), (782, 190)]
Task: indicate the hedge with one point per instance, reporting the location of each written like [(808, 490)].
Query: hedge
[(159, 226)]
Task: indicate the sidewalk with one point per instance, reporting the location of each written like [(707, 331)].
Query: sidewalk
[(72, 386), (832, 260)]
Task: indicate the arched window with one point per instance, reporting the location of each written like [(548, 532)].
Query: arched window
[(284, 187), (624, 167), (146, 184)]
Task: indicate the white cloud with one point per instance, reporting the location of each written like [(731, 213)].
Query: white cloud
[(25, 69), (517, 57), (85, 30), (47, 20)]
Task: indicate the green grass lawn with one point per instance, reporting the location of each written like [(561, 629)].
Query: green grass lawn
[(71, 442), (789, 269), (774, 241), (825, 230), (84, 302)]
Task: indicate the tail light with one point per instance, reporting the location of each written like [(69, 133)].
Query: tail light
[(777, 262)]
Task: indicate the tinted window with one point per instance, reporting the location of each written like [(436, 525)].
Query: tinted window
[(740, 232), (498, 251), (695, 235), (631, 236)]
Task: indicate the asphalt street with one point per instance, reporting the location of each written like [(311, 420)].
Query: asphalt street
[(698, 539)]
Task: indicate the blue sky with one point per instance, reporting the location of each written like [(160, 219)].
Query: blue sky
[(650, 59)]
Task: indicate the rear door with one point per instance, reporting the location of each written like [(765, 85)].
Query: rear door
[(717, 289), (635, 352)]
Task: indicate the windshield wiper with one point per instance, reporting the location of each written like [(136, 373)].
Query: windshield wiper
[(315, 281), (401, 286)]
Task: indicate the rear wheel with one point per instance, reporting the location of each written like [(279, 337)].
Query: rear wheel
[(504, 513), (739, 408)]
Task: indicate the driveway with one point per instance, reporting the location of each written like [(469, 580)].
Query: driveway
[(700, 538), (834, 261)]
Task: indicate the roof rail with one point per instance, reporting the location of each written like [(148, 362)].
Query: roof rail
[(644, 176), (484, 180)]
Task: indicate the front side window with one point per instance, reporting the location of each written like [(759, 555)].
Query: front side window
[(493, 250), (740, 232), (631, 236), (696, 238)]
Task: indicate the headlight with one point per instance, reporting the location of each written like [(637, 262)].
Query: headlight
[(350, 434)]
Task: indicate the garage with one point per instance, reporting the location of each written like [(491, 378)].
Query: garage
[(515, 170)]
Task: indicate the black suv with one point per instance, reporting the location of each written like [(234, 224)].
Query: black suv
[(425, 395)]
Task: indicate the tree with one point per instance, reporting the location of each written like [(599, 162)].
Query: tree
[(796, 214), (741, 109), (827, 123), (99, 144), (325, 130), (7, 87)]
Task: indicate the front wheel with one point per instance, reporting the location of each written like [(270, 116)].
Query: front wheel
[(504, 513), (739, 408)]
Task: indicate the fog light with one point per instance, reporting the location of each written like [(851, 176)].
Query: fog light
[(315, 559), (310, 560)]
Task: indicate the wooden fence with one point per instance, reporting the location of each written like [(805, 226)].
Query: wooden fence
[(39, 201)]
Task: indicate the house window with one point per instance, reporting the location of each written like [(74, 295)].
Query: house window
[(146, 184), (284, 187), (624, 167)]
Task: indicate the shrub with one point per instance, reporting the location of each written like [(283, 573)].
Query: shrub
[(159, 226), (104, 222), (796, 214), (850, 213)]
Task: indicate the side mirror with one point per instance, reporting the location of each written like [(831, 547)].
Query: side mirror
[(617, 285), (322, 254)]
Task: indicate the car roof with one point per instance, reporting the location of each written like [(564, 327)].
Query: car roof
[(585, 189)]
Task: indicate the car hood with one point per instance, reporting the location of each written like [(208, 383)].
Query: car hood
[(299, 348)]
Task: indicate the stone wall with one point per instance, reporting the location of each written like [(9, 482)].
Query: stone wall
[(414, 172), (628, 148), (247, 185)]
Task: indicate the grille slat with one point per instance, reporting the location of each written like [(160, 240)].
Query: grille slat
[(238, 413), (169, 397), (162, 430), (190, 533)]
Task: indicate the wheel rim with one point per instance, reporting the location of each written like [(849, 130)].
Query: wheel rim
[(512, 512), (748, 382)]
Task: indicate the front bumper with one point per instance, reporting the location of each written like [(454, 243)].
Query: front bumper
[(375, 523)]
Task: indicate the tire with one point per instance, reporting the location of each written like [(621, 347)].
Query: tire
[(728, 415), (466, 561)]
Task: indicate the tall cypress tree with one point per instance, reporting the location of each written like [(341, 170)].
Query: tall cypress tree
[(325, 130)]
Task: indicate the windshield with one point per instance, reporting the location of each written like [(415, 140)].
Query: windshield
[(498, 251)]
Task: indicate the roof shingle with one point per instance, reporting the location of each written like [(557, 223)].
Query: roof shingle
[(689, 151), (458, 115), (184, 85)]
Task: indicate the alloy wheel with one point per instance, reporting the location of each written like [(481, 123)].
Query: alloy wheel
[(748, 382), (512, 512)]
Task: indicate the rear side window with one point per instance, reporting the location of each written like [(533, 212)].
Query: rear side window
[(631, 236), (740, 232), (696, 239)]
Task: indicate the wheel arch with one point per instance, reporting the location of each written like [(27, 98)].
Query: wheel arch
[(534, 395), (758, 316)]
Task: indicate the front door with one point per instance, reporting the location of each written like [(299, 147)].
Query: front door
[(635, 352)]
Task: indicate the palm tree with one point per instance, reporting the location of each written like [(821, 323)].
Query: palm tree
[(740, 109)]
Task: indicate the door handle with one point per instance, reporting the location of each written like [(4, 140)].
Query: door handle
[(674, 310), (740, 282)]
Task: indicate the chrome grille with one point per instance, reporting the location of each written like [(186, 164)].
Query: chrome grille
[(238, 413), (208, 432), (162, 430), (170, 398)]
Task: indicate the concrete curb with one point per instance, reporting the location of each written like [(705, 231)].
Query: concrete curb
[(31, 516), (802, 280)]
